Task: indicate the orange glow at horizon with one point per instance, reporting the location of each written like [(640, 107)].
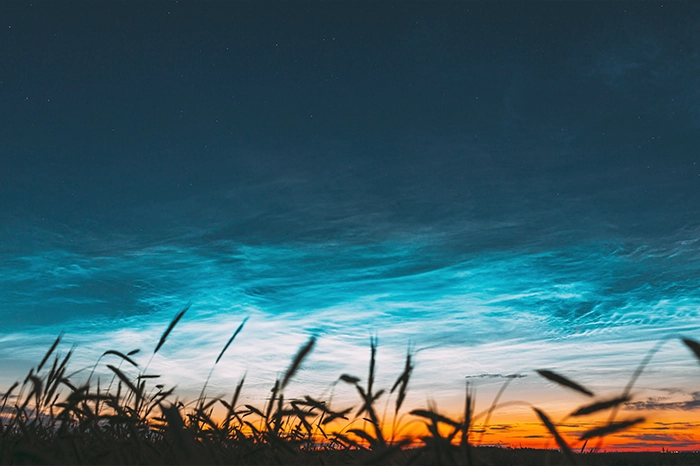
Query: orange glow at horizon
[(677, 431)]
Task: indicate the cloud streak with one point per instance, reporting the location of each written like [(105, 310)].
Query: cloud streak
[(656, 403)]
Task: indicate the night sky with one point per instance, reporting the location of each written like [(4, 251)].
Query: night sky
[(498, 186)]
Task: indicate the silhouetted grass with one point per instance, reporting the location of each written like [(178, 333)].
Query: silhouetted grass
[(50, 419)]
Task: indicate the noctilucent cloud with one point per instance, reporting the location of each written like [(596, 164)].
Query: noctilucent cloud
[(497, 187)]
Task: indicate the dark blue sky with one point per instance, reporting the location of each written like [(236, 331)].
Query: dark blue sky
[(418, 113), (491, 173)]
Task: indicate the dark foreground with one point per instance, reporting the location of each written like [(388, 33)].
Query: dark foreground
[(172, 453), (121, 419)]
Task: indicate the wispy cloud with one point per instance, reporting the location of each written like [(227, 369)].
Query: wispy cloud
[(594, 308), (656, 403), (496, 376)]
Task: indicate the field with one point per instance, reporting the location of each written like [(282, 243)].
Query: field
[(48, 418)]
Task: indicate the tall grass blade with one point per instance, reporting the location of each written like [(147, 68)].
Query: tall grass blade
[(273, 397), (561, 380), (237, 393), (48, 353), (170, 327), (642, 366), (565, 449), (278, 414), (301, 354), (637, 373), (232, 407), (228, 343), (52, 386), (402, 383), (373, 341), (230, 340), (469, 401), (52, 375)]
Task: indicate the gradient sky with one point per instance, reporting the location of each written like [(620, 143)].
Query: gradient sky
[(503, 186)]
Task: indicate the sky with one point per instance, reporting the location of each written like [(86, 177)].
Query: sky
[(496, 187)]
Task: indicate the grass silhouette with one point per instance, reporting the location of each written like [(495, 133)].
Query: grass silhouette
[(49, 419)]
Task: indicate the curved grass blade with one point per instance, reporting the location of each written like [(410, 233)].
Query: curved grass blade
[(565, 449), (124, 379), (601, 405), (301, 354), (493, 406), (255, 410), (170, 327), (610, 428), (642, 366), (68, 384), (637, 372), (230, 340), (121, 355), (561, 380)]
